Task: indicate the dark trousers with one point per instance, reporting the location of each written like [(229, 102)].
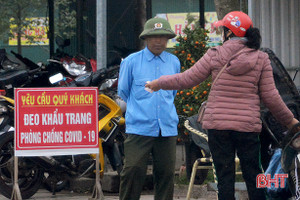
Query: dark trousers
[(137, 150), (223, 146)]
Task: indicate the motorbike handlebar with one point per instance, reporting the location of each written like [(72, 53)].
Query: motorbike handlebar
[(291, 134), (102, 74), (25, 60), (36, 71), (112, 68), (82, 57), (104, 71), (55, 61), (16, 54)]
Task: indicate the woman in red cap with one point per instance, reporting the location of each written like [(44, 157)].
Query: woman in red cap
[(232, 115)]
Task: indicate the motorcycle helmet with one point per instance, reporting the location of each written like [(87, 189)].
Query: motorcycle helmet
[(237, 21), (157, 26)]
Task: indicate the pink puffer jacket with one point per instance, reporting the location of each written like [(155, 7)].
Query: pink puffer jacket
[(234, 102)]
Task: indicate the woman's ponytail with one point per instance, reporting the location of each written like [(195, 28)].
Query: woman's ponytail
[(254, 38)]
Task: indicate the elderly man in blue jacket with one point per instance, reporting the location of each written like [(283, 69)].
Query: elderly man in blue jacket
[(151, 118)]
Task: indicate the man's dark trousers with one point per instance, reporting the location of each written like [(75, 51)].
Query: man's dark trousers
[(137, 150)]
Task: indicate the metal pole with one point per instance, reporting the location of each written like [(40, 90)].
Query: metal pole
[(101, 34), (201, 15), (250, 9), (79, 25), (97, 192), (51, 27), (16, 193)]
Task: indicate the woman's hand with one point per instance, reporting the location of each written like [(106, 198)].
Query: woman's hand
[(291, 125), (153, 85)]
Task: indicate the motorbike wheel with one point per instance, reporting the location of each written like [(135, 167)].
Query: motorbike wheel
[(30, 176), (193, 152)]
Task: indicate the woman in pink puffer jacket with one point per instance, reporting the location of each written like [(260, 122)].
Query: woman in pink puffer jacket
[(232, 115)]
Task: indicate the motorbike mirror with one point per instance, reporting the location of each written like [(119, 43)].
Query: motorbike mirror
[(108, 84), (41, 64), (56, 78)]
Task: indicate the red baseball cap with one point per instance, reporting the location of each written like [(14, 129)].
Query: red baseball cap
[(237, 21)]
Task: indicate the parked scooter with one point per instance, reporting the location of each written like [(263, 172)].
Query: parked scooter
[(290, 159), (69, 66), (74, 66), (8, 62), (31, 75)]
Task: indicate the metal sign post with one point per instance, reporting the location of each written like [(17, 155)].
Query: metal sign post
[(16, 194), (97, 192)]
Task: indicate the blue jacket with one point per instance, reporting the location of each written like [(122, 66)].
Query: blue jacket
[(148, 113)]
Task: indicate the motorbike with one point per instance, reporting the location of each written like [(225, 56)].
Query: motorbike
[(73, 66), (290, 159), (56, 171), (9, 62), (273, 135), (69, 66), (26, 73)]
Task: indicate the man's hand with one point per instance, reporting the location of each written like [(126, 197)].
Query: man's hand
[(153, 85)]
